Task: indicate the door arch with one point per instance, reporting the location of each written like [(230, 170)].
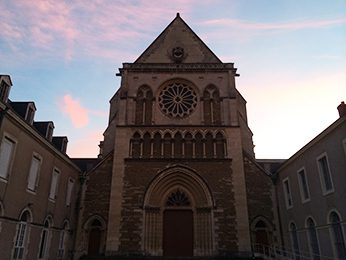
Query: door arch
[(178, 192)]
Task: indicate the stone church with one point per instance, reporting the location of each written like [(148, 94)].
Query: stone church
[(177, 174)]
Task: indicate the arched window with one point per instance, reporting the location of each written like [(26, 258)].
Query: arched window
[(188, 146), (314, 246), (167, 146), (338, 235), (146, 145), (178, 145), (43, 246), (209, 145), (220, 145), (294, 241), (199, 145), (21, 235), (95, 236), (207, 107), (136, 145), (212, 106), (144, 103), (63, 241), (157, 145)]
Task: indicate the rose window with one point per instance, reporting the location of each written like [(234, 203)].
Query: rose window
[(177, 100)]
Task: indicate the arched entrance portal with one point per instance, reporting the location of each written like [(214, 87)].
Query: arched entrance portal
[(178, 215), (178, 225)]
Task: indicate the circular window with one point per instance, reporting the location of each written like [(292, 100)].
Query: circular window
[(177, 100)]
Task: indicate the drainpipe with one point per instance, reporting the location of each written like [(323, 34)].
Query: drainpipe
[(79, 215)]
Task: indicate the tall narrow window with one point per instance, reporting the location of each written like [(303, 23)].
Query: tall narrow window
[(325, 176), (6, 154), (167, 146), (212, 105), (43, 242), (21, 236), (62, 241), (54, 184), (144, 103), (303, 185), (288, 194), (157, 145), (199, 146), (314, 246), (188, 146), (34, 172), (220, 145), (146, 145), (70, 186), (136, 145), (209, 145), (178, 145), (294, 241), (338, 235)]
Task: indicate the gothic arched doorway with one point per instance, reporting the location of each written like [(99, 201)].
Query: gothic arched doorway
[(178, 215), (178, 225)]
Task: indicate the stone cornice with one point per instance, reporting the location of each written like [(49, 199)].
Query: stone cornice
[(176, 67)]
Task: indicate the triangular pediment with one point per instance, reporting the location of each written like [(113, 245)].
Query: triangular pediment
[(178, 43)]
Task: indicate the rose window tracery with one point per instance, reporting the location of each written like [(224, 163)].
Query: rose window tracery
[(177, 100)]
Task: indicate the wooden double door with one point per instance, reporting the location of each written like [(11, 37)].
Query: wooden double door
[(178, 232)]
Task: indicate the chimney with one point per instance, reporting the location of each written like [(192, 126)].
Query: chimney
[(342, 109)]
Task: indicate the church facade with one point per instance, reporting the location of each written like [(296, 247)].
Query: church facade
[(177, 175)]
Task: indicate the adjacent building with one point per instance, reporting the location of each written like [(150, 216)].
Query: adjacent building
[(39, 185), (311, 188)]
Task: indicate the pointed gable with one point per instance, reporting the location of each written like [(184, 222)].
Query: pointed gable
[(178, 44)]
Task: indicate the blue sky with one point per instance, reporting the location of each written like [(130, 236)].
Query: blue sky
[(291, 57)]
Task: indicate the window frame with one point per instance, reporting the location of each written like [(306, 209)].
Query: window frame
[(69, 191), (310, 238), (39, 158), (321, 174), (287, 194), (301, 185), (332, 232), (14, 142), (56, 172)]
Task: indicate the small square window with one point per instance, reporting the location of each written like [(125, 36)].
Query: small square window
[(325, 174)]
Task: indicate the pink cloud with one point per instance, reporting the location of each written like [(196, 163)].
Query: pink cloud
[(295, 25), (78, 28), (86, 145), (78, 114)]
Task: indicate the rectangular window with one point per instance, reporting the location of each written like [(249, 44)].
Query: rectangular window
[(325, 176), (34, 172), (288, 195), (303, 185), (54, 184), (6, 154), (70, 185)]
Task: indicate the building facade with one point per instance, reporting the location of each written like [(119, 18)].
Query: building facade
[(39, 185), (178, 174), (311, 194)]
